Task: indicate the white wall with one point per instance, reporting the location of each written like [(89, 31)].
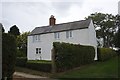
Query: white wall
[(80, 36), (92, 38)]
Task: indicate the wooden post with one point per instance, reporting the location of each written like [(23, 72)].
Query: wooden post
[(53, 61)]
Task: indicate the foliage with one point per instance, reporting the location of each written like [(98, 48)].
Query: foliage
[(22, 44), (3, 30), (105, 54), (95, 71), (68, 56), (39, 65), (106, 25), (45, 66), (117, 35), (8, 55), (14, 31), (21, 61)]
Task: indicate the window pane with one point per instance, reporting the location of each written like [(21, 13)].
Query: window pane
[(39, 50), (70, 33), (36, 50), (67, 34), (38, 37)]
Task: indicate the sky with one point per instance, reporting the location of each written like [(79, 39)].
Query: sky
[(28, 14)]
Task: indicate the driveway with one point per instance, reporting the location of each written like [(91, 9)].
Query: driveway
[(25, 76)]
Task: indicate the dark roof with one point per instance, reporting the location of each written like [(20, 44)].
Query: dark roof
[(62, 27)]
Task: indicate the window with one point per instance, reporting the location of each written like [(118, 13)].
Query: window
[(68, 34), (38, 50), (57, 35), (36, 38)]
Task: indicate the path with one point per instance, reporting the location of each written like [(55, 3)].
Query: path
[(25, 75)]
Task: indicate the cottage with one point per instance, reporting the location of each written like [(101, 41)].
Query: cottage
[(40, 41)]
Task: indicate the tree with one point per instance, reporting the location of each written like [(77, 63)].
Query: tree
[(3, 30), (14, 31), (8, 55), (22, 44), (105, 27), (117, 35)]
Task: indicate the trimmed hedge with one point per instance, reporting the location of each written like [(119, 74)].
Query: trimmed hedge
[(21, 61), (68, 56), (105, 54), (44, 66), (39, 65)]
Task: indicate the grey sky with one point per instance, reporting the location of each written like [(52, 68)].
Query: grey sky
[(28, 14)]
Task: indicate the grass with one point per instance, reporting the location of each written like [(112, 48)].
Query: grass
[(39, 61), (106, 69)]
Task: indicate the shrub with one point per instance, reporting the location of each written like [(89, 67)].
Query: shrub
[(21, 61), (105, 53), (8, 55), (68, 56), (39, 65)]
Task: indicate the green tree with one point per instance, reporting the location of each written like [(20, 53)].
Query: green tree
[(105, 27), (3, 30), (14, 31), (8, 55), (117, 35), (22, 44)]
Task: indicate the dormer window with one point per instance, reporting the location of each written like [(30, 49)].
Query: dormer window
[(69, 34), (57, 35), (36, 38)]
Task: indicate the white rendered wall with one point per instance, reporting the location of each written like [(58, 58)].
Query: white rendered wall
[(92, 38)]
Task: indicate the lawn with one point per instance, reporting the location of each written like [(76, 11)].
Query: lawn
[(106, 69)]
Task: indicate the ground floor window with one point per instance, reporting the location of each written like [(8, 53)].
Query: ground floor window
[(38, 50)]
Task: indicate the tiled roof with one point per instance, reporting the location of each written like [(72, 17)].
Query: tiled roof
[(62, 27)]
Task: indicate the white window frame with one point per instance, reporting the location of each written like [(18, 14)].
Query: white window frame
[(69, 34), (36, 38), (38, 51), (57, 35)]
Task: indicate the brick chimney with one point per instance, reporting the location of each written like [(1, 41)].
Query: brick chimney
[(52, 20)]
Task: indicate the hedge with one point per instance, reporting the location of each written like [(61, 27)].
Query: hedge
[(68, 56), (105, 54), (39, 65), (44, 66), (21, 61)]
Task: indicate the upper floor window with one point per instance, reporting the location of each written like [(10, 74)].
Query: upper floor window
[(57, 35), (36, 38), (69, 34)]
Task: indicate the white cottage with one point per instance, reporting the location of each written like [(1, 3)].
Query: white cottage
[(40, 41)]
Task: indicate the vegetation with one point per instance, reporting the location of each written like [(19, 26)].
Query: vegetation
[(40, 65), (68, 56), (105, 54), (105, 27), (14, 31), (106, 69), (8, 55), (22, 44)]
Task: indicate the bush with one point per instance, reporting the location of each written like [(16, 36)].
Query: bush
[(105, 53), (8, 55), (39, 65), (21, 61), (68, 56)]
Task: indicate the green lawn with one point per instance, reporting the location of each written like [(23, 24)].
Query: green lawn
[(39, 61), (106, 69)]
